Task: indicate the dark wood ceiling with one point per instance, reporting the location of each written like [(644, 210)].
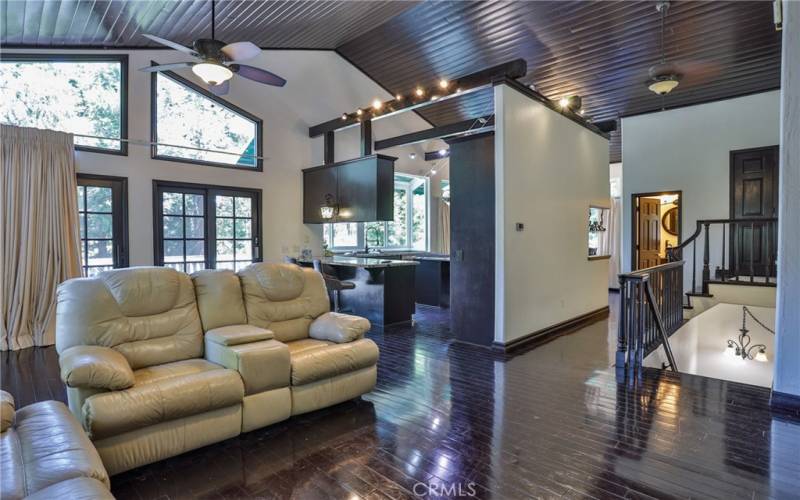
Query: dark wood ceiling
[(120, 23), (599, 50)]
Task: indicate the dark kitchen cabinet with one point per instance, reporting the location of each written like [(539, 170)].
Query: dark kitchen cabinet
[(363, 189)]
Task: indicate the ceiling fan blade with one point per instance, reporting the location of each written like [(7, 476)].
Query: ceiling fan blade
[(241, 51), (257, 75), (167, 67), (172, 45), (221, 89)]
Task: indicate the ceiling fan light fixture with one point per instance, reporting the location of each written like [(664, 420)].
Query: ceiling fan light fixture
[(211, 73), (663, 85)]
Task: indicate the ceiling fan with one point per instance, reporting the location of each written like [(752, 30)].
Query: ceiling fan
[(217, 61), (665, 76)]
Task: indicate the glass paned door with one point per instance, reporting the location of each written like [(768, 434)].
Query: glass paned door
[(206, 227), (101, 207), (183, 222), (235, 243)]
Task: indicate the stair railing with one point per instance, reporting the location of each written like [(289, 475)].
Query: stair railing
[(747, 252), (651, 309)]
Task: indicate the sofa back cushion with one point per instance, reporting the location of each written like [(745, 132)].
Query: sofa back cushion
[(284, 298), (148, 314), (219, 298)]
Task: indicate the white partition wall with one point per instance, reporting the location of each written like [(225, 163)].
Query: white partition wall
[(787, 315), (548, 171)]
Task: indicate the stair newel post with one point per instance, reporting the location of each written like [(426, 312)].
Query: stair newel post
[(694, 266), (622, 331), (706, 258), (642, 322), (723, 274)]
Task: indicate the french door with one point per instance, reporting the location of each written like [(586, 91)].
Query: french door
[(103, 217), (205, 227)]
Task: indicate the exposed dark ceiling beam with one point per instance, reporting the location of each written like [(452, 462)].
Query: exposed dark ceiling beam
[(436, 155), (452, 130), (459, 87)]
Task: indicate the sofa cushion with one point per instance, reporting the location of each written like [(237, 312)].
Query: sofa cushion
[(238, 334), (95, 367), (219, 298), (339, 328), (163, 393), (148, 314), (80, 488), (284, 298), (45, 447), (314, 360)]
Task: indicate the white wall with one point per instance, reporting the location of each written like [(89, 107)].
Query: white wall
[(321, 85), (687, 149), (548, 170), (787, 362)]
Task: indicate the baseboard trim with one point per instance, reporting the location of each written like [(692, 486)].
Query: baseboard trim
[(551, 332), (784, 401)]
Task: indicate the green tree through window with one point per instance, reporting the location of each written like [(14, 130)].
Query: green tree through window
[(186, 117), (81, 97)]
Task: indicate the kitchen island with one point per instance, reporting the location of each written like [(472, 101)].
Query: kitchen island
[(385, 288)]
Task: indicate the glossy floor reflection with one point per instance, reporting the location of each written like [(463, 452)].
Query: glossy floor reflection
[(449, 419)]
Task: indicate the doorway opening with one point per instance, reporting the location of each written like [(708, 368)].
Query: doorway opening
[(656, 227)]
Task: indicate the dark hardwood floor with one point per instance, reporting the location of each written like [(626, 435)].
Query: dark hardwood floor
[(449, 419)]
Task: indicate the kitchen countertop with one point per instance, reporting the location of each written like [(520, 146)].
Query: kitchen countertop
[(439, 258), (365, 262)]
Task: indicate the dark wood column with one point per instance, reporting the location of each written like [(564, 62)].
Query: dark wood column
[(472, 207)]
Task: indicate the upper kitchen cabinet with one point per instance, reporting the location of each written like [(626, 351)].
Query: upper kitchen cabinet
[(360, 190)]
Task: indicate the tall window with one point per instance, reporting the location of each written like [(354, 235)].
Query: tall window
[(193, 125), (81, 94), (408, 230), (102, 211), (206, 227)]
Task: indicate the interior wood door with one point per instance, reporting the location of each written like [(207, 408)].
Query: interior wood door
[(649, 233), (754, 193)]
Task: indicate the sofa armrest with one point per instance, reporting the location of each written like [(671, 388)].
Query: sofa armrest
[(238, 334), (339, 328), (96, 367), (7, 411), (263, 365)]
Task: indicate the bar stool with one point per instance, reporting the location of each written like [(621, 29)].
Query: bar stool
[(334, 284)]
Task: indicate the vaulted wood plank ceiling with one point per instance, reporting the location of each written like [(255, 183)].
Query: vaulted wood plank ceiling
[(599, 50)]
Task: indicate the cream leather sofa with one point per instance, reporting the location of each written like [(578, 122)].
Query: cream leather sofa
[(44, 454), (149, 379)]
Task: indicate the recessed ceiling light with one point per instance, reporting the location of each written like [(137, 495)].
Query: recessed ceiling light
[(433, 172), (442, 152), (377, 104), (443, 83), (419, 92), (412, 155), (563, 102)]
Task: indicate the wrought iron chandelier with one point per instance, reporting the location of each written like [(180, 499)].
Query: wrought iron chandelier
[(742, 347)]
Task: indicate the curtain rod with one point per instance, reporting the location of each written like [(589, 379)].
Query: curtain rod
[(139, 142)]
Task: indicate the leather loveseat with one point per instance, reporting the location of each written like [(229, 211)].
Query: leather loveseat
[(44, 454), (157, 363)]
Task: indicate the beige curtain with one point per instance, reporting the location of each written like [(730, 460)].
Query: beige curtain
[(443, 236), (39, 239), (614, 231)]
